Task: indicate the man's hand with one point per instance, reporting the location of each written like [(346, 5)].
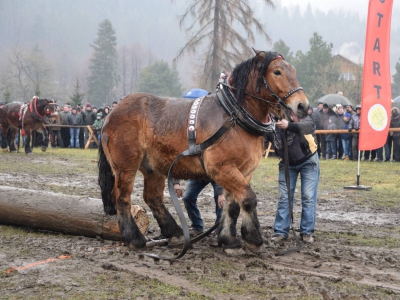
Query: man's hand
[(221, 201), (282, 124), (178, 190)]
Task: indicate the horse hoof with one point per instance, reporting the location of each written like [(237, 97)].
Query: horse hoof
[(234, 252), (29, 153), (175, 240), (43, 149), (258, 250)]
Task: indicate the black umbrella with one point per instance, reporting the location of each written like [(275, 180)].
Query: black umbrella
[(333, 99), (396, 102)]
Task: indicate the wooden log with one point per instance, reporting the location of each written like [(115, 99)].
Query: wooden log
[(62, 213)]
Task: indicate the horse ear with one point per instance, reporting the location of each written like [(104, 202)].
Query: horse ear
[(259, 54), (255, 51)]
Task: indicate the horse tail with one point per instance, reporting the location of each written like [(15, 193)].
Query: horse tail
[(106, 182)]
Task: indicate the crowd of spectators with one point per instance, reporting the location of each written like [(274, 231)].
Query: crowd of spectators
[(77, 116), (345, 145), (330, 146)]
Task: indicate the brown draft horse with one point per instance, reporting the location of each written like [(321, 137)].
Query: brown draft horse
[(146, 133), (28, 117)]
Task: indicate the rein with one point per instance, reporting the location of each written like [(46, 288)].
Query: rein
[(193, 149), (282, 100)]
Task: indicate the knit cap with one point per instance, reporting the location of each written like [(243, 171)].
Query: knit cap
[(347, 115)]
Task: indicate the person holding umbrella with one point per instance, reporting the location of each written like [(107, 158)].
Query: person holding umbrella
[(326, 113), (354, 124)]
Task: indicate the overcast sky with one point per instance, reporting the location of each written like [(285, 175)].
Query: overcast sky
[(360, 6)]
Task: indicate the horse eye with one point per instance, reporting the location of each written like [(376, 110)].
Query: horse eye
[(277, 72)]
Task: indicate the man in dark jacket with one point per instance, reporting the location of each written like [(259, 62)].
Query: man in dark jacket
[(303, 160), (354, 124), (55, 131), (89, 116), (74, 119), (325, 114), (64, 121)]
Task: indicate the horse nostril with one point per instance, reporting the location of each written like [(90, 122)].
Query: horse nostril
[(301, 107)]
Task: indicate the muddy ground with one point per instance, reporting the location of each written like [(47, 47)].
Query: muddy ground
[(356, 254)]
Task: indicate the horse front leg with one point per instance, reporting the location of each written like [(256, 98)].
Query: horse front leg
[(242, 198), (28, 149), (45, 139)]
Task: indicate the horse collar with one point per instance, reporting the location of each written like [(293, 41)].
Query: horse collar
[(33, 109), (240, 115)]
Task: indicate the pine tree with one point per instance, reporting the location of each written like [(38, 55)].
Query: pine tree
[(77, 97), (221, 45), (316, 70), (159, 79), (396, 82), (284, 50), (103, 66)]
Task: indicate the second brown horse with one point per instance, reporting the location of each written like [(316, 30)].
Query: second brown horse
[(146, 133), (28, 117)]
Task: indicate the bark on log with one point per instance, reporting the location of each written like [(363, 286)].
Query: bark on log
[(62, 213)]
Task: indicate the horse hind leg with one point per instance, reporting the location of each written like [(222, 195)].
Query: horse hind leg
[(122, 190), (122, 174), (4, 138), (153, 195), (13, 133)]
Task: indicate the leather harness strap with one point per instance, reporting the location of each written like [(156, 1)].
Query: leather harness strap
[(193, 149)]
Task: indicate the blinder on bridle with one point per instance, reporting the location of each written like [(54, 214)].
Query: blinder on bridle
[(281, 101)]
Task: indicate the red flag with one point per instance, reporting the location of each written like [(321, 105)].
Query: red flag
[(376, 86)]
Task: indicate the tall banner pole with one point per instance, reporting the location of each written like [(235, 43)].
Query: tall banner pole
[(376, 85)]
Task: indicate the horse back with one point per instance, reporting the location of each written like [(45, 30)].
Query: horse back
[(9, 114), (154, 130)]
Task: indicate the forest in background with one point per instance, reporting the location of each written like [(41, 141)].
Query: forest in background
[(64, 30)]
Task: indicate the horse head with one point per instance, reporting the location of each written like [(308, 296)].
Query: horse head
[(269, 79), (44, 106)]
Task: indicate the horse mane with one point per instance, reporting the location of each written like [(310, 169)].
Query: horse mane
[(242, 71)]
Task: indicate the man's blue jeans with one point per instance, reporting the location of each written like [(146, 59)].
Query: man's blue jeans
[(193, 189), (309, 176), (379, 152), (74, 141), (347, 147)]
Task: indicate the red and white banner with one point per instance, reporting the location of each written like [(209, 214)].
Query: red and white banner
[(376, 86)]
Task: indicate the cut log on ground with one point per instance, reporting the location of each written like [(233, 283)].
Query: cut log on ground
[(62, 213)]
